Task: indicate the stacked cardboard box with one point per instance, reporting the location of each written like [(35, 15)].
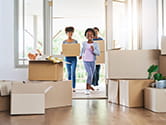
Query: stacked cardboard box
[(155, 99), (131, 92), (34, 97), (5, 87), (45, 70), (127, 92), (71, 49), (127, 70), (101, 59), (27, 99), (113, 91), (4, 103), (59, 95), (131, 64)]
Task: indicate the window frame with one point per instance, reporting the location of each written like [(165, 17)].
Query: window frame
[(46, 29)]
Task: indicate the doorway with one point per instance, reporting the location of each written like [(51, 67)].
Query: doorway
[(81, 15)]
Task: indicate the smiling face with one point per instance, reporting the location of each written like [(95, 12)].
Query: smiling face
[(89, 35)]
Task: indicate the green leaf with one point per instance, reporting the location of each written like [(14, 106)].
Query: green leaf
[(158, 76), (152, 68)]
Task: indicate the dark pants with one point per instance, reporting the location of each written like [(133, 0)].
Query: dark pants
[(96, 76)]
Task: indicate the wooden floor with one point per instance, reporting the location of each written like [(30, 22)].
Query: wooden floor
[(88, 112)]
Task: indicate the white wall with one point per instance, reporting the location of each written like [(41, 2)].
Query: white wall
[(149, 24), (7, 69)]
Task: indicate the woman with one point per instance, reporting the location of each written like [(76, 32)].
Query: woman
[(72, 61), (89, 52)]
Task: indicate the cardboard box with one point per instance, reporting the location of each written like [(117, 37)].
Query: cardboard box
[(45, 70), (162, 65), (131, 64), (163, 45), (5, 88), (131, 92), (113, 91), (100, 59), (155, 99), (28, 99), (71, 49), (101, 44), (4, 103), (58, 96)]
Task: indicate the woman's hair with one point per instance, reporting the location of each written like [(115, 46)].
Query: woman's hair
[(69, 29), (91, 30), (96, 28)]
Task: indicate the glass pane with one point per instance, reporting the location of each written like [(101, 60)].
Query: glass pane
[(160, 23), (20, 30), (120, 25), (33, 26), (164, 17)]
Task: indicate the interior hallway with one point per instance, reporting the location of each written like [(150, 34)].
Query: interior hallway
[(88, 112)]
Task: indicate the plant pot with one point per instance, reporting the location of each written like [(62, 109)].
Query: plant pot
[(161, 84)]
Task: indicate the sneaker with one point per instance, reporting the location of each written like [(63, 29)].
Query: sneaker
[(87, 92), (74, 90)]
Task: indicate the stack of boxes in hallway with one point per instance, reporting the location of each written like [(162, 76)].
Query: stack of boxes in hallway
[(127, 75), (46, 88)]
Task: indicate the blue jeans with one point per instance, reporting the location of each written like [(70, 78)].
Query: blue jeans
[(71, 69), (96, 76), (90, 68)]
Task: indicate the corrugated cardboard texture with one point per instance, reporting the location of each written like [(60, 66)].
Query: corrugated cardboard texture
[(155, 99), (101, 44), (131, 92), (163, 45), (45, 70), (71, 49), (131, 64), (113, 91), (100, 59), (4, 103), (162, 65)]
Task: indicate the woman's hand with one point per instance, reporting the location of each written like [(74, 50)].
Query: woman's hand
[(80, 57), (92, 48)]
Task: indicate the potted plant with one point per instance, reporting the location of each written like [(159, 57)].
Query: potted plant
[(160, 80)]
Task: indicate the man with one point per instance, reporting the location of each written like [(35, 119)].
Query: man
[(97, 70)]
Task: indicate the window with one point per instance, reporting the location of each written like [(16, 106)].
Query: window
[(29, 29), (126, 21), (161, 20)]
